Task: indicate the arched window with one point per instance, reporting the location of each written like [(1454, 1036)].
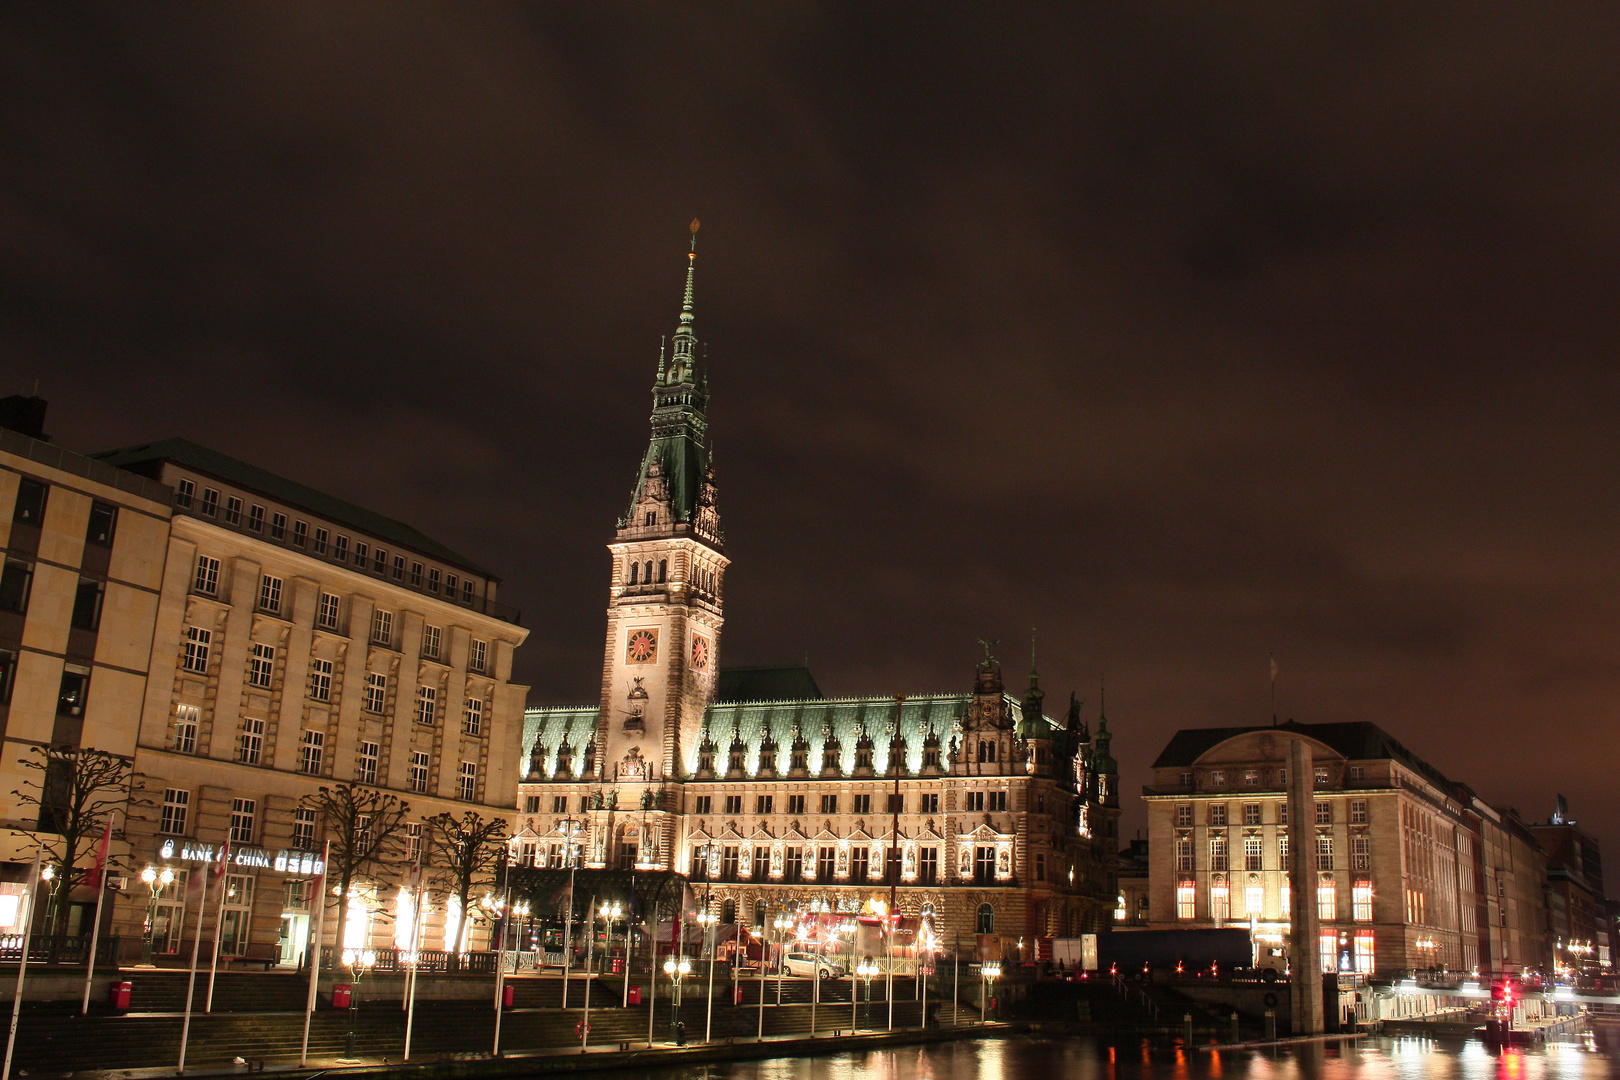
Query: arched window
[(649, 572), (663, 568), (987, 919), (728, 912), (634, 568), (759, 909)]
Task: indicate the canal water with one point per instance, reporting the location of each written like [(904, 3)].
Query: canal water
[(1579, 1057)]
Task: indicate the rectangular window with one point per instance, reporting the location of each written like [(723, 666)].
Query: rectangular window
[(928, 803), (1254, 900), (186, 718), (1252, 854), (863, 804), (1327, 902), (1220, 901), (198, 644), (311, 751), (256, 518), (251, 746), (1324, 813), (16, 581), (559, 804), (376, 692), (379, 561), (431, 638), (270, 594), (795, 863), (1358, 773), (326, 614), (360, 553), (233, 511), (262, 665), (1186, 899), (700, 861), (467, 782), (184, 492), (1218, 853), (399, 568), (467, 591), (75, 688), (860, 864), (416, 575), (795, 804), (1251, 813), (728, 863), (826, 862), (702, 804), (206, 580), (1217, 814), (419, 772), (734, 804), (319, 546), (1251, 777), (365, 763), (242, 814), (1184, 815), (320, 680), (450, 586), (996, 802), (764, 804), (340, 548), (1330, 952), (413, 842), (8, 674), (210, 502), (1364, 951), (1358, 811), (427, 704), (472, 720), (1282, 853), (303, 831), (478, 655), (829, 804), (1321, 775), (103, 520), (176, 808), (1184, 854), (278, 526), (928, 865), (433, 580), (1361, 901), (974, 802), (382, 628), (1361, 852), (1324, 851)]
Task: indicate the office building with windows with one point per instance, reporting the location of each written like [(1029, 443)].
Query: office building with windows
[(971, 807), (1407, 869), (301, 641)]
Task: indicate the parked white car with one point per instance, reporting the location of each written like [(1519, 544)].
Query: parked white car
[(810, 965)]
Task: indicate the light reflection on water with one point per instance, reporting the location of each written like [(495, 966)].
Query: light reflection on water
[(1027, 1058)]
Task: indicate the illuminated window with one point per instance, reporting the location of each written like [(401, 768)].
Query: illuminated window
[(1220, 901), (1327, 903), (1254, 901), (1361, 902), (1119, 911), (1251, 853), (1364, 951), (185, 728), (1361, 852), (1330, 952), (1251, 777), (1185, 893), (1282, 852)]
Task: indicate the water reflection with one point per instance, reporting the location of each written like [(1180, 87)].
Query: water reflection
[(1587, 1057)]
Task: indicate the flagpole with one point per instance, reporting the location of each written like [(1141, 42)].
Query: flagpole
[(219, 920), (27, 909), (95, 929), (416, 956), (500, 952), (568, 931), (312, 954), (590, 945), (191, 978)]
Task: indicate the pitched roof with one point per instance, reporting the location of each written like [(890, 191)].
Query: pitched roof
[(793, 683), (148, 458), (1358, 741)]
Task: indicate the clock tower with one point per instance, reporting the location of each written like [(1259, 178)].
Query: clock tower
[(664, 611)]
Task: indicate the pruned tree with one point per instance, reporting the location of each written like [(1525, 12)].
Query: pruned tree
[(76, 790), (366, 829), (465, 853)]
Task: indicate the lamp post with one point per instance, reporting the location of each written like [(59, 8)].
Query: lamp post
[(783, 923), (988, 974), (155, 880), (707, 919), (570, 830), (677, 968), (358, 961), (867, 968)]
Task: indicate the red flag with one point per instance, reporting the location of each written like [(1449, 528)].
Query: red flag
[(92, 876), (224, 858)]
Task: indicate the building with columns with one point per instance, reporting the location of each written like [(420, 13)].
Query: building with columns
[(973, 807)]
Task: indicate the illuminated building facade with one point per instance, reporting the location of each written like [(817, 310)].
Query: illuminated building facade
[(1407, 869), (973, 807)]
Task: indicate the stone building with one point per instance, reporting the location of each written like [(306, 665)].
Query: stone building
[(301, 641), (1406, 868), (974, 806), (1577, 910), (85, 549)]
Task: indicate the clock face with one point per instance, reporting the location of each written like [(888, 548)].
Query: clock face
[(700, 653), (642, 647)]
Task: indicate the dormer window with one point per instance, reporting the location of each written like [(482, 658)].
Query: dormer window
[(801, 759), (652, 518), (930, 757), (863, 758)]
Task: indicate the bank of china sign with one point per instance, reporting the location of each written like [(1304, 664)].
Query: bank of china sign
[(244, 857)]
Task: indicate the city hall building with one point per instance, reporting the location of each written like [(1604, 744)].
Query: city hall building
[(972, 808)]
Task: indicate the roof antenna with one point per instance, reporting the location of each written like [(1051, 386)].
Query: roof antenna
[(1273, 689)]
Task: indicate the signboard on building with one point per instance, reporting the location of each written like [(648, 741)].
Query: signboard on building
[(244, 857)]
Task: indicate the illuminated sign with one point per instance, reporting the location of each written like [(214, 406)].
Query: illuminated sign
[(243, 857)]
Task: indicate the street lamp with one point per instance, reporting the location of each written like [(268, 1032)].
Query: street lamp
[(783, 923), (358, 961), (989, 973), (155, 880), (707, 919), (866, 969), (677, 969)]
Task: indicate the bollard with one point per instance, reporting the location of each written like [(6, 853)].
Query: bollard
[(1271, 1025), (1186, 1022), (1235, 1026)]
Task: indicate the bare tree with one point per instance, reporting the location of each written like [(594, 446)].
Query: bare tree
[(77, 790), (465, 853), (366, 828)]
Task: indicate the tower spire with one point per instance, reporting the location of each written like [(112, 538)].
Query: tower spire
[(681, 366)]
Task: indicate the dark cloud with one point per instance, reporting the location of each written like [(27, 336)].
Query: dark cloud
[(1185, 335)]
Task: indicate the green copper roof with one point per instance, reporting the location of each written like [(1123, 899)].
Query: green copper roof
[(766, 684)]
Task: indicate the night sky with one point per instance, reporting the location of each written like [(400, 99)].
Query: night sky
[(1188, 334)]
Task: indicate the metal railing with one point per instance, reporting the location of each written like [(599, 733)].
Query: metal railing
[(431, 960), (52, 949)]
